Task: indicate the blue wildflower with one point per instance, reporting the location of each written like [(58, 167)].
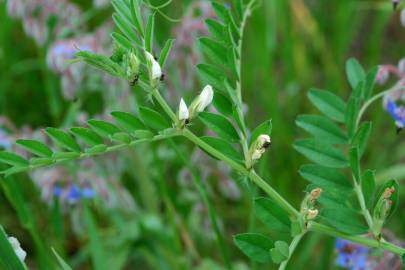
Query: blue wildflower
[(351, 256), (74, 194), (397, 112), (4, 140), (88, 193), (57, 191)]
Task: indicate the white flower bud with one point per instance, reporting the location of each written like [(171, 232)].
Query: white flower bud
[(312, 213), (183, 111), (154, 67), (21, 254), (263, 141), (205, 98), (257, 154), (402, 17)]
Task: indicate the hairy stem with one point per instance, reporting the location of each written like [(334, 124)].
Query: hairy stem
[(293, 245), (374, 98), (362, 202), (260, 182)]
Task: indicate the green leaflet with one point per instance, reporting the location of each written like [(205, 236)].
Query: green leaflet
[(322, 128), (328, 103), (255, 246), (101, 62), (150, 28), (354, 160), (322, 153), (222, 104), (220, 125), (8, 258), (361, 136), (272, 215), (12, 159), (280, 252), (212, 75), (215, 28), (224, 147), (136, 16), (368, 187), (122, 40), (213, 50), (35, 147), (352, 111), (153, 119), (165, 52), (87, 135), (103, 128), (345, 220), (124, 26), (355, 72), (62, 139), (325, 178), (128, 121)]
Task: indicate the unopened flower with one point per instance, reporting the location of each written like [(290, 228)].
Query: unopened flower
[(315, 193), (312, 213), (205, 97), (201, 101), (383, 74), (155, 70), (257, 154), (21, 254), (257, 149), (402, 17), (263, 141), (132, 66), (183, 111)]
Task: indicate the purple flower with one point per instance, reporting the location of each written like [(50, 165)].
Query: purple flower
[(351, 256), (397, 112)]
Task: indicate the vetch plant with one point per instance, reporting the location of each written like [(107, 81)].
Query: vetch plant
[(341, 200)]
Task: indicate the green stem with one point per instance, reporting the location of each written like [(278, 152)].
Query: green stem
[(317, 227), (357, 187), (156, 94), (374, 98), (362, 202), (108, 149), (293, 245), (277, 198)]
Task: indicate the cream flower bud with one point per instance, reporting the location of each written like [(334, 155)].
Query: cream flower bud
[(312, 213), (183, 111), (257, 154), (315, 193), (402, 17), (154, 67), (263, 141), (205, 98), (21, 254)]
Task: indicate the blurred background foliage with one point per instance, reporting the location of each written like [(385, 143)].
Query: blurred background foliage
[(289, 47)]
